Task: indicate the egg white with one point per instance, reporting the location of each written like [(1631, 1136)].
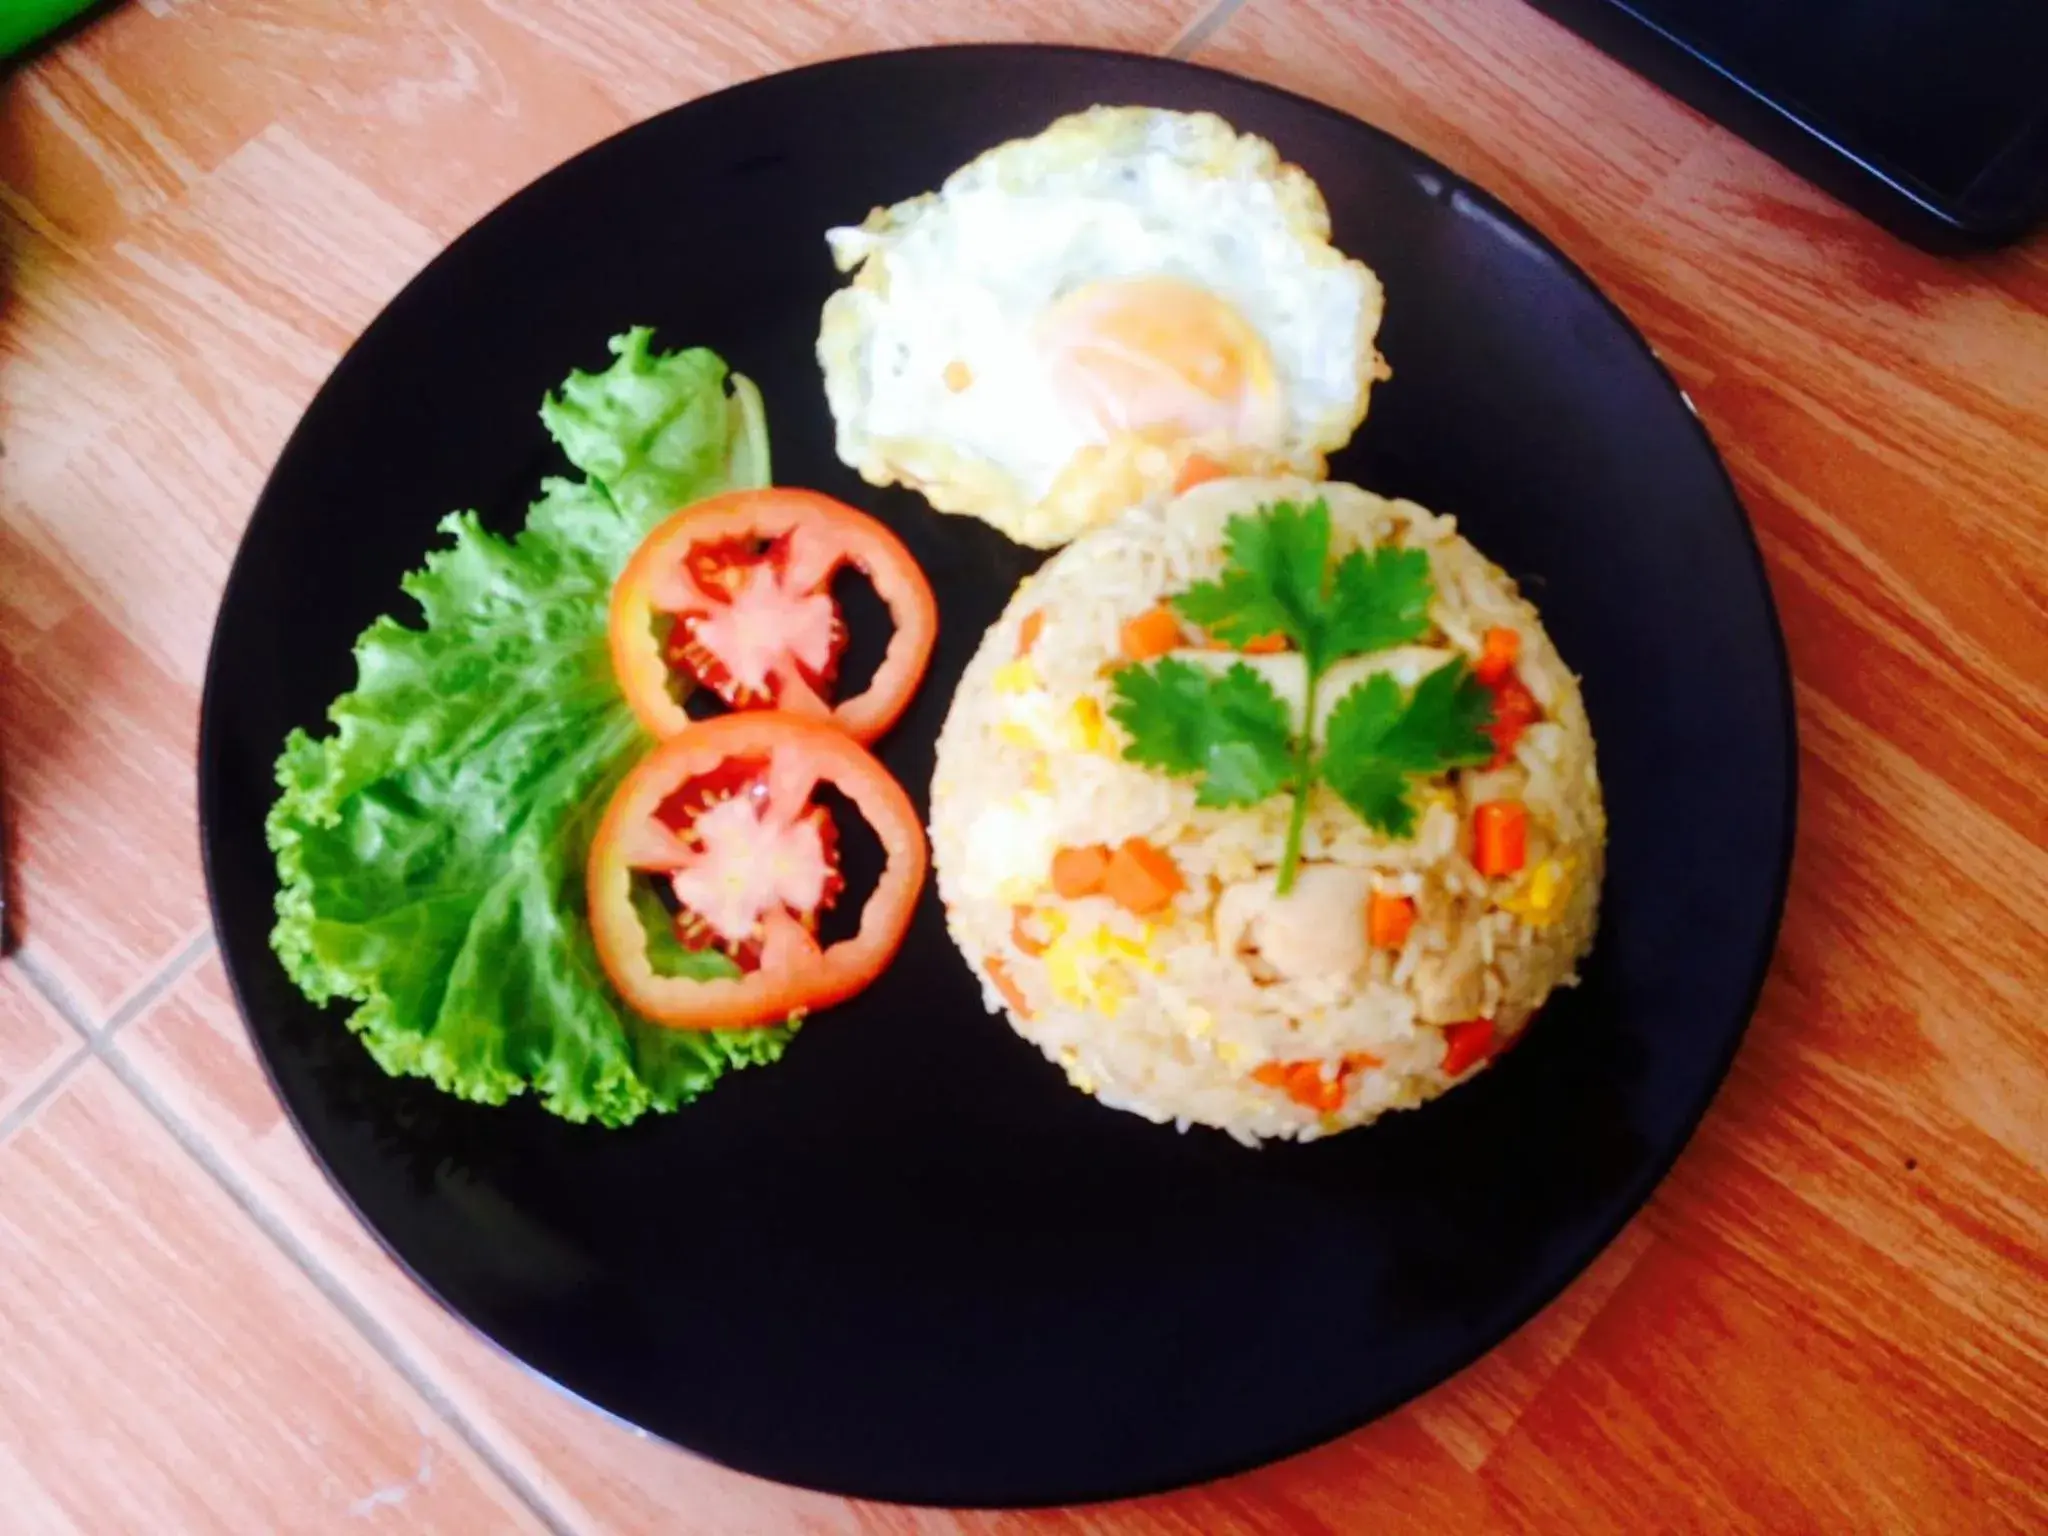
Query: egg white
[(935, 359)]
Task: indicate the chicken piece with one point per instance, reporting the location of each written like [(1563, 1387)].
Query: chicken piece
[(1450, 988), (1314, 935)]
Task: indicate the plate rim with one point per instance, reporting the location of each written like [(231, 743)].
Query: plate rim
[(1632, 1195)]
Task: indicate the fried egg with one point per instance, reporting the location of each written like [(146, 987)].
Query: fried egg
[(1072, 322)]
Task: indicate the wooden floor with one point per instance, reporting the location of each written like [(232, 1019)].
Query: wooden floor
[(1834, 1316)]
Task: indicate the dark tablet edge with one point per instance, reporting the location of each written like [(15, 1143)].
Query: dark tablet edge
[(1630, 1201), (2002, 203)]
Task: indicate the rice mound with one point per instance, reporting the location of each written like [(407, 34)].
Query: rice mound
[(1173, 1017)]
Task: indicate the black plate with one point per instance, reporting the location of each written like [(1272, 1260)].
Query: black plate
[(909, 1262)]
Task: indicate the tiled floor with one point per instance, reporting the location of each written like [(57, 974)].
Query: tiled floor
[(98, 780), (1831, 1317), (190, 1055), (127, 1264), (34, 1046)]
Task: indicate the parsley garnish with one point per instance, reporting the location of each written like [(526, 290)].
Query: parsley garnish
[(1232, 731), (1377, 737)]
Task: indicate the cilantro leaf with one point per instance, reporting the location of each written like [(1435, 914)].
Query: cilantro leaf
[(1377, 600), (1252, 754), (1273, 584), (1378, 735), (1444, 725), (1231, 730), (1235, 733), (1378, 792), (1161, 707)]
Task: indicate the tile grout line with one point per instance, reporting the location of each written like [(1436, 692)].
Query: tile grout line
[(331, 1288), (75, 1013), (54, 992), (44, 1091), (99, 1043), (1202, 28), (196, 949)]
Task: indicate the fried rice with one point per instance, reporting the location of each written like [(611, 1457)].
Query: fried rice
[(1217, 1009)]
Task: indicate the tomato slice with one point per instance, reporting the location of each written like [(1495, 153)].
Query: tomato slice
[(745, 579), (724, 813)]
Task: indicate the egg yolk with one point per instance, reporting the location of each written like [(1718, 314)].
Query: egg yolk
[(1159, 357)]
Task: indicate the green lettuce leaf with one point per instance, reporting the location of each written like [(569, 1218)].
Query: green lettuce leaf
[(430, 848)]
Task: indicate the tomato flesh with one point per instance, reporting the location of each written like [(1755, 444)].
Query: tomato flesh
[(755, 629), (739, 860), (691, 798)]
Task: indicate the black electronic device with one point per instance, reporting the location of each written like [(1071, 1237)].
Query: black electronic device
[(1929, 116)]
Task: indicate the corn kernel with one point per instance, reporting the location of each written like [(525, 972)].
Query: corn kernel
[(1541, 898), (1017, 676), (1111, 993), (1086, 730), (1063, 969), (1016, 890)]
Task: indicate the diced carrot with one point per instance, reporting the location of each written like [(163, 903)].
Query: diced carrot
[(1321, 1095), (1007, 985), (1500, 837), (1514, 710), (1140, 878), (1027, 632), (1387, 920), (1198, 468), (1020, 932), (1152, 633), (1466, 1045), (1361, 1061), (1499, 648), (1307, 1085), (1078, 872), (1303, 1082)]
